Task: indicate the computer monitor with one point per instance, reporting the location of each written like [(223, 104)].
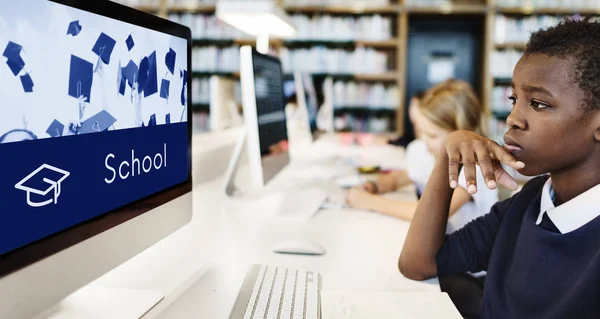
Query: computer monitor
[(264, 115), (95, 143)]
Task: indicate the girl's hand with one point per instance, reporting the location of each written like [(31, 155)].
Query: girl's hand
[(370, 187), (358, 198), (468, 149)]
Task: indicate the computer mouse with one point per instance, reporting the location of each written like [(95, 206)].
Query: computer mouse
[(299, 247)]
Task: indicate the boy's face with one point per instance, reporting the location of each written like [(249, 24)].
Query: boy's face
[(547, 130)]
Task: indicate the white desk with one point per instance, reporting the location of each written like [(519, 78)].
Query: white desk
[(200, 268)]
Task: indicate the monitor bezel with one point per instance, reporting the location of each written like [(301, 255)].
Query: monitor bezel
[(34, 252)]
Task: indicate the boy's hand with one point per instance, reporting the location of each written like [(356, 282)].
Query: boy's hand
[(470, 149)]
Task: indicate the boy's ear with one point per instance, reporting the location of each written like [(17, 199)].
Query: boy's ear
[(596, 125)]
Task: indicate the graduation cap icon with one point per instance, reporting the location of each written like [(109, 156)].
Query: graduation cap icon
[(98, 122), (40, 183), (147, 77), (129, 42), (164, 89), (81, 77), (168, 118), (74, 28), (104, 47), (12, 53), (170, 60), (55, 129)]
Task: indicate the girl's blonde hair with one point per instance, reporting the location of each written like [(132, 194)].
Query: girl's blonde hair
[(453, 105)]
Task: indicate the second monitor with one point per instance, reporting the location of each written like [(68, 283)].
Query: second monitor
[(266, 135)]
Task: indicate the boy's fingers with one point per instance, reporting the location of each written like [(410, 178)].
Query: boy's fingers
[(453, 166), (486, 164), (468, 158), (505, 157), (504, 178)]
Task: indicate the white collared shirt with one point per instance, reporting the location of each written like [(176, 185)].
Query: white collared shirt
[(570, 215)]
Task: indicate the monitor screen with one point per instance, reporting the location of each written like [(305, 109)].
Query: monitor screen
[(93, 117), (270, 110)]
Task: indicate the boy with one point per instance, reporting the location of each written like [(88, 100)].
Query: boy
[(540, 247)]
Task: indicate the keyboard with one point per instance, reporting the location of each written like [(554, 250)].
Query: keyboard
[(274, 292)]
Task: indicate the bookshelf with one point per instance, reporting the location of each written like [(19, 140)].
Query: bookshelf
[(394, 44)]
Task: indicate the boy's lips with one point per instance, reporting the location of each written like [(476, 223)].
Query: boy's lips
[(511, 145)]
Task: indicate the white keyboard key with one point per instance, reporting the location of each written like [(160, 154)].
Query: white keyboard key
[(277, 293), (312, 296), (253, 296), (265, 291)]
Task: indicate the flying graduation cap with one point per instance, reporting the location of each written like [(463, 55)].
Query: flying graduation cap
[(81, 77), (74, 28), (164, 88), (152, 121), (170, 60), (183, 75), (99, 122), (12, 53), (55, 129), (104, 47), (121, 81), (27, 83), (130, 73), (147, 77), (129, 42)]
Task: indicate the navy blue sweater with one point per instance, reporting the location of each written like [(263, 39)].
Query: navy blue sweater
[(532, 272)]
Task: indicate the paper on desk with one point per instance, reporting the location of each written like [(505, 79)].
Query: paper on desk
[(387, 305)]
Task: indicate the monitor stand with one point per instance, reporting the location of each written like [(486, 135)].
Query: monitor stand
[(100, 302), (299, 205)]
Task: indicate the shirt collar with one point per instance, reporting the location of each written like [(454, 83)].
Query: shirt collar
[(570, 215)]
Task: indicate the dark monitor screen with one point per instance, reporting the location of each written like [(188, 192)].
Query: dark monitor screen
[(93, 121), (270, 104)]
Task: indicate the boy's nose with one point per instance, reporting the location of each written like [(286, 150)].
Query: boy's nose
[(516, 119)]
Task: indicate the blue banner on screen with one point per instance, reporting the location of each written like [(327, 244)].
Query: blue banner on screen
[(85, 125), (54, 184)]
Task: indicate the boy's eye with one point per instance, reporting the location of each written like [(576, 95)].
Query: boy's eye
[(513, 99), (538, 105)]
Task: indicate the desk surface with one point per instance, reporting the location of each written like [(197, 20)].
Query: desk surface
[(200, 268)]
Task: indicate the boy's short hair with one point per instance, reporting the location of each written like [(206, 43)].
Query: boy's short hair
[(579, 42)]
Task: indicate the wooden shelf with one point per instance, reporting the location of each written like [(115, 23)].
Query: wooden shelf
[(150, 8), (513, 45), (372, 108), (342, 9), (384, 44), (448, 9), (376, 77), (191, 8), (533, 10), (392, 76)]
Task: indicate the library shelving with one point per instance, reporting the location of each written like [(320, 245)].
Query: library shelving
[(398, 13)]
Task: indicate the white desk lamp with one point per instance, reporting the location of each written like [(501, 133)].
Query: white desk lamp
[(257, 18)]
